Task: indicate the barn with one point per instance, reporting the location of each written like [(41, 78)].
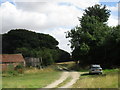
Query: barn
[(34, 62), (11, 59)]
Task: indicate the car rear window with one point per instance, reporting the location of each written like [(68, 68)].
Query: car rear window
[(95, 67)]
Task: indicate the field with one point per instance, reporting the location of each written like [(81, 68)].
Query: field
[(33, 78), (108, 80)]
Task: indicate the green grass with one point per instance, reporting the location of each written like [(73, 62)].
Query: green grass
[(108, 80), (31, 79), (110, 70)]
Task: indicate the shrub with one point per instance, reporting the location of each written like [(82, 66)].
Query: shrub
[(10, 71), (19, 68), (10, 67)]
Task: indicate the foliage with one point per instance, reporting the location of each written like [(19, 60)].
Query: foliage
[(10, 71), (112, 45), (100, 12), (32, 44), (84, 49), (47, 57), (93, 41), (10, 67), (28, 39), (19, 68)]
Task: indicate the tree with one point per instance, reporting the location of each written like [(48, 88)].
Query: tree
[(47, 57), (32, 44), (90, 35), (23, 38), (98, 11), (112, 45)]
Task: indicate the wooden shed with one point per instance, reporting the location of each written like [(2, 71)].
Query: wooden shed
[(34, 62), (11, 59)]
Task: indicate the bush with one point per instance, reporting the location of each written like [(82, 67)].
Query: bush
[(10, 71), (10, 67), (19, 68)]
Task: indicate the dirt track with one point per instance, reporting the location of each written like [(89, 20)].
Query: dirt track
[(74, 75)]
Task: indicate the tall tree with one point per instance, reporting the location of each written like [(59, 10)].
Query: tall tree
[(90, 35), (112, 45), (98, 11)]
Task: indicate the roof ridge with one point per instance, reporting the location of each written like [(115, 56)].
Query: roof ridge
[(11, 58), (12, 54)]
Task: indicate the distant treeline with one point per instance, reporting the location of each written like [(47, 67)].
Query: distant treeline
[(32, 44)]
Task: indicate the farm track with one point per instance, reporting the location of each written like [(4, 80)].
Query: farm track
[(74, 77), (60, 80)]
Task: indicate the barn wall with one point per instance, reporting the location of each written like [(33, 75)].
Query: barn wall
[(5, 66), (31, 61)]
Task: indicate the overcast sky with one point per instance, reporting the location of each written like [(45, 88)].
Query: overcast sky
[(54, 18)]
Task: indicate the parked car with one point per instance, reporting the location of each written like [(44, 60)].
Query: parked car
[(95, 69)]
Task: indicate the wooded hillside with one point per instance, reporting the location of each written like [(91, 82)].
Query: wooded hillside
[(32, 44)]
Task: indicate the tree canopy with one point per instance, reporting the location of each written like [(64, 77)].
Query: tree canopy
[(32, 44), (98, 11), (93, 41)]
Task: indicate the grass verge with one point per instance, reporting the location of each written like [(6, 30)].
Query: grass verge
[(32, 78), (108, 80)]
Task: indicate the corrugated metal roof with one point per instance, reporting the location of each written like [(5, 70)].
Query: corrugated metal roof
[(11, 58)]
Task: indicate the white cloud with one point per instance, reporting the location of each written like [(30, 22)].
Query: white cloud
[(14, 18), (113, 8), (113, 20), (53, 16), (60, 35), (48, 19), (109, 0)]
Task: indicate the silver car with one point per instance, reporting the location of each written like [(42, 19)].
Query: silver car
[(95, 69)]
